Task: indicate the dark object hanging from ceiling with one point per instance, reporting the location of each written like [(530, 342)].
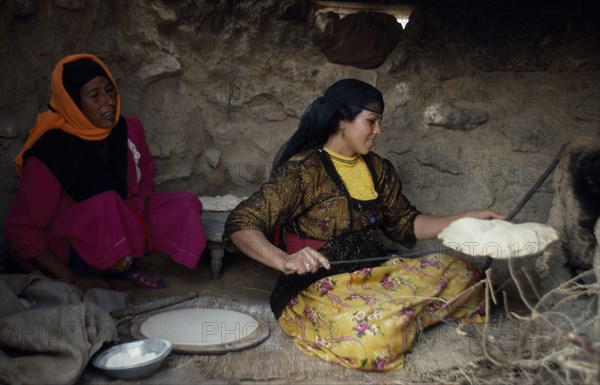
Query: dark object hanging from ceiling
[(363, 39)]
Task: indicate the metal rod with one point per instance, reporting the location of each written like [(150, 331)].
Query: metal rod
[(488, 261), (149, 306)]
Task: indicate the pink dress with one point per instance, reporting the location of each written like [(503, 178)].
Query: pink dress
[(104, 228)]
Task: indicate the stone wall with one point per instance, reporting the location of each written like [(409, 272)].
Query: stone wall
[(479, 98)]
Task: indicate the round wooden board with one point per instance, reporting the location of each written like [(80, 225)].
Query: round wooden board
[(203, 330)]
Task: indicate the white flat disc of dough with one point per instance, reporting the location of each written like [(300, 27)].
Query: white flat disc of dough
[(205, 330), (497, 238)]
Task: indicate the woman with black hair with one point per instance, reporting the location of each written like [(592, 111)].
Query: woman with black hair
[(331, 197)]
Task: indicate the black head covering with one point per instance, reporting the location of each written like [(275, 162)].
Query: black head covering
[(85, 168), (77, 73), (316, 119)]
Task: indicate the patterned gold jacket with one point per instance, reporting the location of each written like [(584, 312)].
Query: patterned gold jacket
[(306, 197)]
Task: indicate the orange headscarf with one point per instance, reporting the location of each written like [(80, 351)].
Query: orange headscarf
[(68, 117)]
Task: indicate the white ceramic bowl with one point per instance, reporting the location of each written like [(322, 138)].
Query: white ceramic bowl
[(126, 361)]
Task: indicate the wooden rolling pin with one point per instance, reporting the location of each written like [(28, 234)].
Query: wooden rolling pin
[(153, 305)]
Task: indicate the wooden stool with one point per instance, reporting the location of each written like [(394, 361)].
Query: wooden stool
[(214, 225)]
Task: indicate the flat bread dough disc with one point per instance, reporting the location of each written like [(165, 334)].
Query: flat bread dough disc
[(204, 330), (497, 238)]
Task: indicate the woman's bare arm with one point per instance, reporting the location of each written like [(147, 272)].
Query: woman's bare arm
[(254, 244), (429, 226)]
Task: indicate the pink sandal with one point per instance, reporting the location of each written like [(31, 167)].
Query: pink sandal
[(146, 281)]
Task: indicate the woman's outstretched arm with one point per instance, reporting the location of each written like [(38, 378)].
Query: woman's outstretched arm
[(429, 226)]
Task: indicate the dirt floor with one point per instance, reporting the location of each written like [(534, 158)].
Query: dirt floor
[(245, 285), (241, 278)]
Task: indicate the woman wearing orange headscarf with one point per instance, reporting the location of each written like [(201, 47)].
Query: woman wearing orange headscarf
[(86, 201)]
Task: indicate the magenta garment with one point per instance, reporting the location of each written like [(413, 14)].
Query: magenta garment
[(103, 229)]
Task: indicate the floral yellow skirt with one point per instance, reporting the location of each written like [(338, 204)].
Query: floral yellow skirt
[(367, 319)]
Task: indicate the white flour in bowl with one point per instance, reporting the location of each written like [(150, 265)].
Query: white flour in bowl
[(123, 359)]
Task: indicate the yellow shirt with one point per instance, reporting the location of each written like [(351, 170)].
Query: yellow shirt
[(355, 174)]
